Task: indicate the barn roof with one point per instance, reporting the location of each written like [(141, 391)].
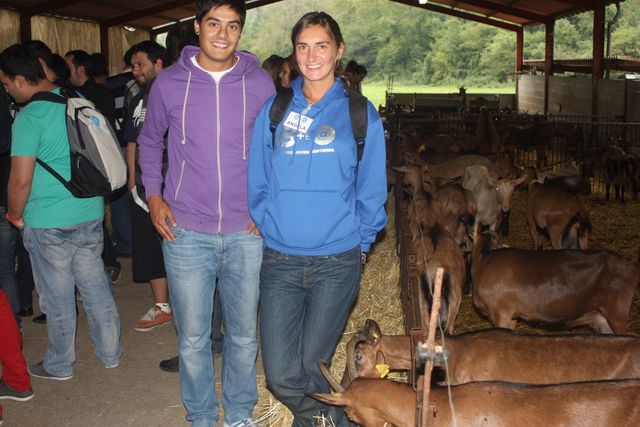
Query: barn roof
[(508, 14)]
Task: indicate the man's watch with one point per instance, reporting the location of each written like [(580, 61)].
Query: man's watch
[(363, 258)]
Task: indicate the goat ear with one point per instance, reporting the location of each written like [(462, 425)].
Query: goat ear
[(335, 399), (373, 330)]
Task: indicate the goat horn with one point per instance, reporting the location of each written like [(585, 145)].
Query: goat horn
[(332, 381), (352, 370)]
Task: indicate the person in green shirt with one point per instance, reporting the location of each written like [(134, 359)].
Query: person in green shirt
[(63, 234)]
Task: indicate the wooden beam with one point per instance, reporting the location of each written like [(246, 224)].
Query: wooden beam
[(584, 4), (509, 10), (142, 13), (48, 6), (460, 14), (548, 61), (163, 7), (259, 3), (598, 53)]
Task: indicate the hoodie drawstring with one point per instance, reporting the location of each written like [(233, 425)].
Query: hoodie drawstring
[(244, 120), (184, 110)]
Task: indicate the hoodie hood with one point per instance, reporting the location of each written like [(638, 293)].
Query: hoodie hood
[(247, 63)]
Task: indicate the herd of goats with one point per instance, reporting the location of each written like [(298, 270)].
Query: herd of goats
[(456, 194)]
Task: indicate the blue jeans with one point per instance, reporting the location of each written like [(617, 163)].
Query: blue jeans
[(304, 305), (193, 262), (8, 280), (62, 259)]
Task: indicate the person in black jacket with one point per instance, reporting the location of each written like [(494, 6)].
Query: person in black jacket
[(79, 63)]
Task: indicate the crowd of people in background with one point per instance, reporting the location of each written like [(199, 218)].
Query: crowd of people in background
[(224, 214)]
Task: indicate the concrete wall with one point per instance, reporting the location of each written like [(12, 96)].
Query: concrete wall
[(572, 96), (633, 102), (530, 94)]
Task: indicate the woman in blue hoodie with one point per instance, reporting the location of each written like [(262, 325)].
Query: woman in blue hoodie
[(318, 208)]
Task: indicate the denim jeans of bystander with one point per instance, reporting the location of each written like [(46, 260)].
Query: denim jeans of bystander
[(62, 259), (193, 261), (304, 304)]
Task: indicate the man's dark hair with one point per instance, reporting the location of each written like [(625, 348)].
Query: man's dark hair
[(351, 67), (180, 35), (361, 70), (153, 50), (97, 65), (61, 69), (80, 59), (127, 57), (17, 59), (204, 6), (40, 50)]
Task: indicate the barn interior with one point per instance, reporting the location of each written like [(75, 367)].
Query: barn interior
[(578, 119)]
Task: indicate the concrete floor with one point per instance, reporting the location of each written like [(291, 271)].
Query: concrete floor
[(137, 393)]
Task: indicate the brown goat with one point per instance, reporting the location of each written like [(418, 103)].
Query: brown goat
[(451, 206), (563, 287), (436, 248), (374, 402), (558, 216), (502, 355), (614, 159)]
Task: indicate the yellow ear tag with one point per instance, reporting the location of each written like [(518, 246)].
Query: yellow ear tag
[(383, 369), (336, 394)]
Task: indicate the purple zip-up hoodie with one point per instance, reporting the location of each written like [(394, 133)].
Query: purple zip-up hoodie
[(209, 131)]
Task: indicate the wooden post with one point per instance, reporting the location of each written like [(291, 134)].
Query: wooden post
[(25, 26), (431, 337), (519, 63), (548, 61), (104, 45), (519, 50), (598, 52)]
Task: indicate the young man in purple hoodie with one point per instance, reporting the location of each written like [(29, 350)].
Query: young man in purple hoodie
[(207, 102)]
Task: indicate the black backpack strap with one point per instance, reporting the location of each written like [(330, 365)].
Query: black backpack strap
[(276, 112), (359, 119), (49, 97)]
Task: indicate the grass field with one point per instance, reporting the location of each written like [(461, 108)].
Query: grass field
[(375, 91)]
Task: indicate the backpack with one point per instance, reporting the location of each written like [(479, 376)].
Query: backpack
[(97, 165), (357, 114)]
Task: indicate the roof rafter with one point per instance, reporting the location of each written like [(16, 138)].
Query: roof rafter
[(46, 7), (163, 7), (510, 10), (461, 14)]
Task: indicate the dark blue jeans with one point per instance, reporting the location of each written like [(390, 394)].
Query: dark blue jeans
[(304, 304)]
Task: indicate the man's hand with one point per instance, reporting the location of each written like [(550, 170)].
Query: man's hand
[(160, 212), (16, 222), (253, 229)]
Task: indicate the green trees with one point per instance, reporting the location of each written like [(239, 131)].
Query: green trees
[(423, 47)]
